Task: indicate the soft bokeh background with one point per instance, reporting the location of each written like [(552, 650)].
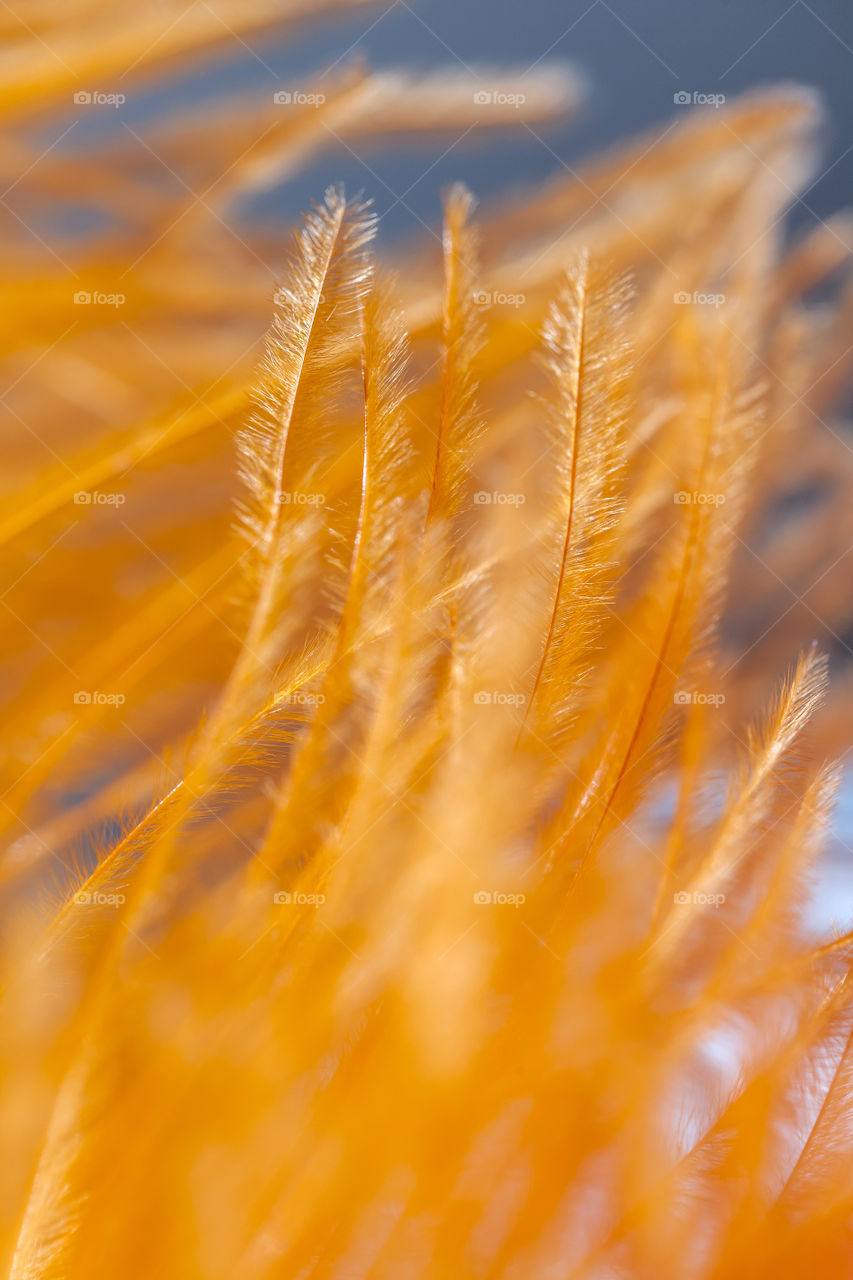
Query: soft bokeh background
[(636, 56)]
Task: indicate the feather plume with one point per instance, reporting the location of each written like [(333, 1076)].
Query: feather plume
[(589, 363), (446, 905), (461, 337)]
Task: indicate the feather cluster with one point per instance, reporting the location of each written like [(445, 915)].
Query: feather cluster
[(410, 878)]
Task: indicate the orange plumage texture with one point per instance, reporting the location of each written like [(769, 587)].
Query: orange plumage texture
[(406, 877)]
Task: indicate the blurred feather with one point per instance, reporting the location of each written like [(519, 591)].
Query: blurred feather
[(440, 904)]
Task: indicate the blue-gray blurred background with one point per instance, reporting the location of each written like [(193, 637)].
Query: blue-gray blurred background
[(636, 54)]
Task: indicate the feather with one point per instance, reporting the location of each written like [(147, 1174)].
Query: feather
[(588, 362), (328, 281), (458, 423), (768, 749), (387, 490)]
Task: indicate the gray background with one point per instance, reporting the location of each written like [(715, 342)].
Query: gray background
[(636, 54)]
